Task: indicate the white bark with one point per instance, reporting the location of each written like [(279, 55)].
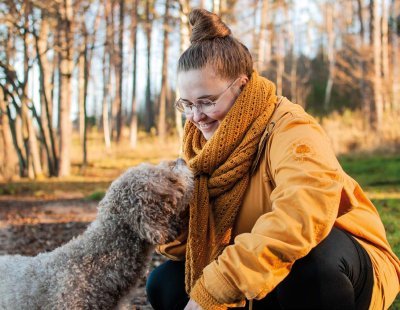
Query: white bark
[(377, 81)]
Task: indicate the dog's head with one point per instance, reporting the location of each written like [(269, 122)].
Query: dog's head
[(151, 200)]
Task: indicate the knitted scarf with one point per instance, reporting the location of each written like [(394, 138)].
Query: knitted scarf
[(222, 172)]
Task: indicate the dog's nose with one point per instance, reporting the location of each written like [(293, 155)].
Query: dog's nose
[(180, 162)]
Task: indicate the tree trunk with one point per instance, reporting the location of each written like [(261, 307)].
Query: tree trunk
[(106, 76), (133, 118), (149, 117), (29, 134), (85, 90), (364, 84), (83, 85), (395, 12), (45, 98), (385, 58), (34, 150), (14, 123), (293, 74), (15, 127), (24, 101), (118, 70), (331, 52), (264, 46), (377, 81), (184, 29), (280, 65), (110, 33), (255, 33), (371, 24), (216, 6), (9, 162), (162, 130), (88, 48), (66, 67)]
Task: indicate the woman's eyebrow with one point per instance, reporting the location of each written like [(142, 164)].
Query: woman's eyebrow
[(201, 97), (206, 96)]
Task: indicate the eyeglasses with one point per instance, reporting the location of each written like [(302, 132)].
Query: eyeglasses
[(202, 105)]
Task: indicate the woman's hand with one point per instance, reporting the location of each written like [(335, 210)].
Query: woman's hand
[(192, 305)]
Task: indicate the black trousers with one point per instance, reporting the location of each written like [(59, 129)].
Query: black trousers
[(337, 274)]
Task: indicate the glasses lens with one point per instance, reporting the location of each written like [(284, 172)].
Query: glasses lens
[(179, 105), (202, 105), (205, 105)]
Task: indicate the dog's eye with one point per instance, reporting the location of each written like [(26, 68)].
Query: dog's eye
[(173, 180)]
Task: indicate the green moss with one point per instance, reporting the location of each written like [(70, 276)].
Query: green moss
[(95, 196)]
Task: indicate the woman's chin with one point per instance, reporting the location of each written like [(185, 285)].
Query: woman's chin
[(209, 131), (207, 135)]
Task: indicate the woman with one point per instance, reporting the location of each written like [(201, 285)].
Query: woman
[(275, 223)]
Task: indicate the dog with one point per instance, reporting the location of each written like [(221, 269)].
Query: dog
[(145, 206)]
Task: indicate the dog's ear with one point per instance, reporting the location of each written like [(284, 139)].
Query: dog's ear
[(158, 236)]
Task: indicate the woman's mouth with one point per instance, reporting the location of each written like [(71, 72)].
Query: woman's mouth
[(206, 126)]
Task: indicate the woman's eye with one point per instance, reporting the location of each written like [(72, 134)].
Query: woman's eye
[(205, 103)]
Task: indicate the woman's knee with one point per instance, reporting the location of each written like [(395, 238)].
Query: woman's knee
[(165, 285), (319, 280), (152, 283)]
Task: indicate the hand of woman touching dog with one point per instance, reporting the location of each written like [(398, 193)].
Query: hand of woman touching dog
[(192, 305)]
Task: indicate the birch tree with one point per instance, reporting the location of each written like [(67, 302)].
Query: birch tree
[(149, 109), (106, 70), (45, 90), (184, 43), (395, 33), (9, 162), (133, 124), (118, 69), (377, 79), (66, 30), (330, 17), (386, 91), (162, 130)]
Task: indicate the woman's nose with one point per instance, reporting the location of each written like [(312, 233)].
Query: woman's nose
[(197, 114)]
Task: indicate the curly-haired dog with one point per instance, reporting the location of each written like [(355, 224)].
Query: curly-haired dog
[(142, 208)]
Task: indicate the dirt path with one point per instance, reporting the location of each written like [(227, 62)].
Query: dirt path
[(29, 226)]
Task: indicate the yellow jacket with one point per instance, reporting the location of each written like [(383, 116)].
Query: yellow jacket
[(297, 192)]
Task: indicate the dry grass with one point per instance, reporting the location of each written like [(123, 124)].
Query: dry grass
[(103, 166), (349, 133), (108, 163)]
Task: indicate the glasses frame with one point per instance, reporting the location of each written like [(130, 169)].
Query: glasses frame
[(180, 103)]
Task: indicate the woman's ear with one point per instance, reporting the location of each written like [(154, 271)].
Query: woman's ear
[(243, 81)]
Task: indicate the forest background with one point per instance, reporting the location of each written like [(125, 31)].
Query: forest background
[(108, 67), (87, 89)]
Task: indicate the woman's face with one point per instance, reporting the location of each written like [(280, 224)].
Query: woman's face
[(196, 86)]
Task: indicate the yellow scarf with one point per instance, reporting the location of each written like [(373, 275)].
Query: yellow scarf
[(222, 168)]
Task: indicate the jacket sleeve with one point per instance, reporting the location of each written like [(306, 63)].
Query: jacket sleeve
[(305, 204), (175, 250)]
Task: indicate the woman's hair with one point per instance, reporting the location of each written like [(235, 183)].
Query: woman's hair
[(212, 45)]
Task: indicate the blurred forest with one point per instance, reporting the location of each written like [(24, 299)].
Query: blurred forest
[(75, 68)]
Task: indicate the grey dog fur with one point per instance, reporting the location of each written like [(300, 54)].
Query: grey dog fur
[(142, 208)]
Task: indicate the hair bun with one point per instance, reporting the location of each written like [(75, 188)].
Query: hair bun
[(206, 26)]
